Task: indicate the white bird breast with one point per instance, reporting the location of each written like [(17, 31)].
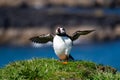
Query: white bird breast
[(62, 45)]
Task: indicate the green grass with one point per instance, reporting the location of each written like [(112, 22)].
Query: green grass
[(51, 69)]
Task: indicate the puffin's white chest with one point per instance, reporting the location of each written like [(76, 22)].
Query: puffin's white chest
[(62, 45)]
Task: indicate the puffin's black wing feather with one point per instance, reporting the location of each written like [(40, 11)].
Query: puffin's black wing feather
[(42, 38), (70, 57), (78, 33)]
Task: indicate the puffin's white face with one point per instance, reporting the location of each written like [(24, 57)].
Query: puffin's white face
[(60, 30)]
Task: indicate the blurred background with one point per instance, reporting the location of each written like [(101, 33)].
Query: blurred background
[(22, 19)]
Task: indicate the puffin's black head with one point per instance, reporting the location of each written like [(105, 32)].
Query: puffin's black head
[(60, 31)]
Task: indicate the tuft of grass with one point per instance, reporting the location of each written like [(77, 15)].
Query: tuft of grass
[(51, 69)]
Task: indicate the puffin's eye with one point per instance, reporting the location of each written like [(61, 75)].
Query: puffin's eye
[(63, 29), (58, 30)]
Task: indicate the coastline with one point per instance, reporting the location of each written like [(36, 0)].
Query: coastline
[(20, 36)]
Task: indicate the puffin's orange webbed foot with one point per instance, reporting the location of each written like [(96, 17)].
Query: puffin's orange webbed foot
[(64, 62)]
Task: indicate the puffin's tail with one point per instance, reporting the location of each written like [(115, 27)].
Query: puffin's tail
[(71, 58)]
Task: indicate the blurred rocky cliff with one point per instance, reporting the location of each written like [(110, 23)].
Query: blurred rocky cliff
[(22, 19)]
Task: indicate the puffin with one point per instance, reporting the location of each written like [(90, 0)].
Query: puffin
[(62, 42)]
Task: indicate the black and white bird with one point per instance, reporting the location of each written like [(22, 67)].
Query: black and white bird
[(62, 42)]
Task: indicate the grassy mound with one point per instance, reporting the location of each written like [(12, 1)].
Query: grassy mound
[(51, 69)]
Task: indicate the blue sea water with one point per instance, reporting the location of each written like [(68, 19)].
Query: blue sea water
[(104, 53)]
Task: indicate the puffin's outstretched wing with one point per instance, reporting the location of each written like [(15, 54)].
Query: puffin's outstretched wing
[(78, 33), (42, 38)]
